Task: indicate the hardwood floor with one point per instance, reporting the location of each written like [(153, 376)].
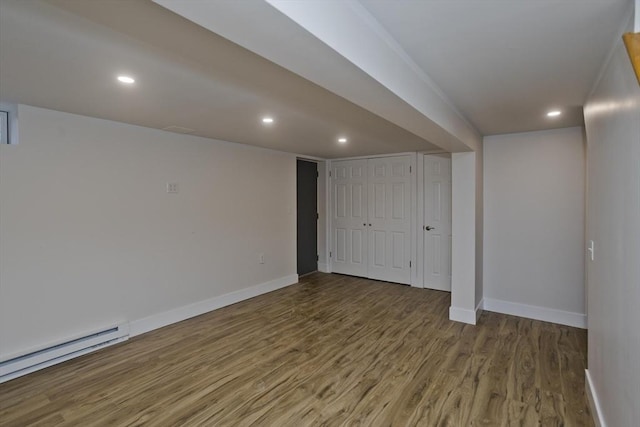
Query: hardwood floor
[(333, 350)]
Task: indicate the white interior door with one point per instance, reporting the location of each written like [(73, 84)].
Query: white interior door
[(390, 219), (349, 219), (437, 222)]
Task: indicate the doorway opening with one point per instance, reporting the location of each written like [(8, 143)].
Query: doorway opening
[(307, 216)]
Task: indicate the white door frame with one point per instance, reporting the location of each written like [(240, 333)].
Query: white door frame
[(327, 214)]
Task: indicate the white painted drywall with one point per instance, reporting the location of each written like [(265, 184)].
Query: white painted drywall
[(463, 234), (612, 118), (394, 87), (479, 291), (89, 235), (534, 198)]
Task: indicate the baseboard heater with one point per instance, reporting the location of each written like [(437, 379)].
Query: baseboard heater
[(40, 359)]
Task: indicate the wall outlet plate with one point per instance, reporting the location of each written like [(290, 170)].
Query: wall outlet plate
[(172, 187)]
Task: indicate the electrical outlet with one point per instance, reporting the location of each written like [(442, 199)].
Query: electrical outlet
[(172, 187), (261, 258)]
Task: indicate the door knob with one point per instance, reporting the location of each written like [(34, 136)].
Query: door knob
[(429, 228)]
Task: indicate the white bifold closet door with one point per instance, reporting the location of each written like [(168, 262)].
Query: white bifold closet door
[(349, 222), (372, 218)]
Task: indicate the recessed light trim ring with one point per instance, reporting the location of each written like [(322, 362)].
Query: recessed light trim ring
[(126, 79)]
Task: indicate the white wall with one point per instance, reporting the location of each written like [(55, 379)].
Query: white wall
[(479, 290), (464, 190), (612, 117), (534, 202), (89, 235)]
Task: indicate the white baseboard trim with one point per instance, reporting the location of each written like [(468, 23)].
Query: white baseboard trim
[(179, 314), (594, 402), (479, 309), (577, 320), (463, 315), (323, 267)]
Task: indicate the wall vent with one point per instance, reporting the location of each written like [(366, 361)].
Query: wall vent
[(33, 361)]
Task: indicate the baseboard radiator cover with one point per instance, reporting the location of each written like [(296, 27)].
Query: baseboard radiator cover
[(33, 361)]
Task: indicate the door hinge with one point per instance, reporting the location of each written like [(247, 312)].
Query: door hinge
[(317, 257), (317, 216), (330, 256), (409, 264), (409, 169), (329, 174)]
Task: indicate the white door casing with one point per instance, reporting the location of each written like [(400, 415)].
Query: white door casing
[(349, 217), (437, 222), (390, 219)]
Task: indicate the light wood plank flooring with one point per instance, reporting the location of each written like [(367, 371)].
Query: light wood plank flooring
[(333, 350)]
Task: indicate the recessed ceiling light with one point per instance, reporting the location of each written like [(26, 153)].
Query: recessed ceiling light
[(342, 140), (267, 120), (126, 79), (554, 113)]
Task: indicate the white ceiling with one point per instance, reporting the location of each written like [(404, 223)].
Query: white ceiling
[(65, 55), (505, 63), (330, 44), (501, 64)]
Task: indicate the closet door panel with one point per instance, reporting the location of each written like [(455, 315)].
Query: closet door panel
[(349, 218), (389, 207)]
